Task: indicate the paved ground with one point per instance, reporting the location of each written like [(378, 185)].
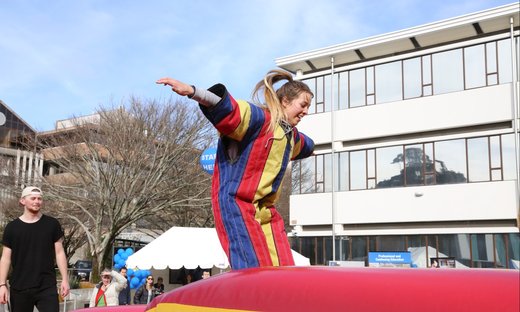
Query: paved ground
[(3, 308), (70, 307)]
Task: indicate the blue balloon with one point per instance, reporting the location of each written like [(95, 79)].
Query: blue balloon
[(129, 251), (129, 272), (117, 258), (117, 266), (207, 159), (120, 251), (134, 282)]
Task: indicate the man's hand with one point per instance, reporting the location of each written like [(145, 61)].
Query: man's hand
[(64, 288), (4, 294)]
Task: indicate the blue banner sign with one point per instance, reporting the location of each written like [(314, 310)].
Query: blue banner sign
[(207, 159), (389, 258)]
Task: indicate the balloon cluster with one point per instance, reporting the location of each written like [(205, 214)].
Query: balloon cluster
[(137, 278)]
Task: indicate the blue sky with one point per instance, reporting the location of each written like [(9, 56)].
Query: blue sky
[(65, 58)]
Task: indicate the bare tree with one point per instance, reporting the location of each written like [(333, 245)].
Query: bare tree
[(194, 212), (9, 210), (131, 165)]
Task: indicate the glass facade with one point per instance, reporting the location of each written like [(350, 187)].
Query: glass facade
[(468, 250), (480, 159), (463, 158), (473, 66)]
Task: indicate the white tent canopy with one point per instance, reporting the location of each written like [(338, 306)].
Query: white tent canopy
[(188, 247)]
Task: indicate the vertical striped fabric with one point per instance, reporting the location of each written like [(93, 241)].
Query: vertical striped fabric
[(246, 186)]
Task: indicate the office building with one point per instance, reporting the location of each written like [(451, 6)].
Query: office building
[(417, 145)]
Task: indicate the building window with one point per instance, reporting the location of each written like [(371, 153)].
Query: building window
[(412, 79), (389, 82), (308, 175), (389, 167), (482, 251), (357, 88), (507, 147), (342, 184), (450, 161), (505, 68), (342, 87), (469, 67), (474, 67), (480, 159), (500, 250), (447, 71), (358, 171)]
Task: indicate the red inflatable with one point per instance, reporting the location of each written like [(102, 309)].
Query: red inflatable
[(346, 289), (126, 308)]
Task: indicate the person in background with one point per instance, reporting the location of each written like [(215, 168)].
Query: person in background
[(124, 294), (205, 274), (145, 293), (31, 245), (106, 292), (159, 286), (255, 146), (189, 278)]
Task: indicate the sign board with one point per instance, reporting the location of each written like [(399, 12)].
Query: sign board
[(207, 159), (389, 259)]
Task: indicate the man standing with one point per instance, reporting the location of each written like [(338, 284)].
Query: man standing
[(32, 243), (124, 295)]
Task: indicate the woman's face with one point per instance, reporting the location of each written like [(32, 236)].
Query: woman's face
[(297, 108), (149, 280), (106, 278)]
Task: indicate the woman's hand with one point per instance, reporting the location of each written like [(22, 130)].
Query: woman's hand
[(177, 86)]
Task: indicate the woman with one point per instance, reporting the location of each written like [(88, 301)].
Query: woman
[(256, 144), (145, 293), (106, 292)]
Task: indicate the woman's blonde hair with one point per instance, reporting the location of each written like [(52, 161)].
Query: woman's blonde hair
[(273, 99)]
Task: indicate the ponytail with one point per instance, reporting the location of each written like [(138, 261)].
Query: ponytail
[(273, 99)]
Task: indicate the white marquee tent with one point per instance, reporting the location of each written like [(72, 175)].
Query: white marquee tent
[(188, 247)]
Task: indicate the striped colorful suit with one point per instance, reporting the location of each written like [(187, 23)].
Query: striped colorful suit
[(250, 165)]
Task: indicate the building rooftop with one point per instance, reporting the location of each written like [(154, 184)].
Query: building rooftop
[(479, 24)]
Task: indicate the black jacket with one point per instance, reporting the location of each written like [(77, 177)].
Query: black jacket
[(141, 295)]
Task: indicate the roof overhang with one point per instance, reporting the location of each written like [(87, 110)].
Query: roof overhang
[(464, 27)]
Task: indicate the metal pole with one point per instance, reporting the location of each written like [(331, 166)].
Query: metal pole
[(333, 194), (515, 84)]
